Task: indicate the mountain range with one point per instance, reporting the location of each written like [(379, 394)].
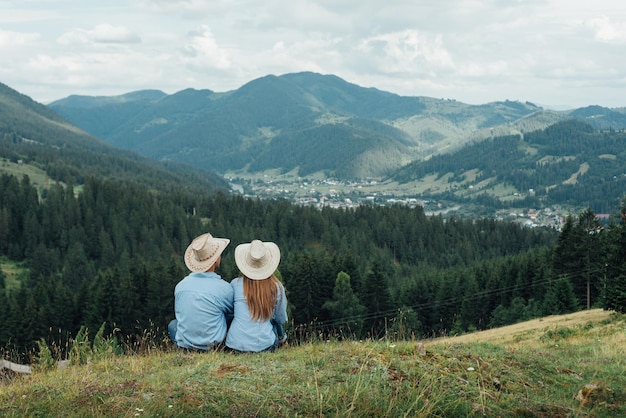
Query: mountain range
[(307, 122), (502, 154)]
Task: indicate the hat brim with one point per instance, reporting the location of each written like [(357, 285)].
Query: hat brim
[(255, 272), (201, 266)]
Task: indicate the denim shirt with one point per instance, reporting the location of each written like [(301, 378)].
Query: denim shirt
[(245, 334), (202, 301)]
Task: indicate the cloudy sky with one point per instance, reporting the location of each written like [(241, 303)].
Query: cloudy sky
[(549, 52)]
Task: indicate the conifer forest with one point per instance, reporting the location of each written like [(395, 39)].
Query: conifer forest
[(109, 254)]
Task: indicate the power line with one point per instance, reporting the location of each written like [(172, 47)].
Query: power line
[(445, 302)]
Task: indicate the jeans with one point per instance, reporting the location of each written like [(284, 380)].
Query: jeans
[(278, 330), (171, 329)]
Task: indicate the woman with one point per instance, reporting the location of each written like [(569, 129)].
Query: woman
[(260, 308)]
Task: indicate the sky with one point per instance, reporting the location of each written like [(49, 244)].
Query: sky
[(554, 53)]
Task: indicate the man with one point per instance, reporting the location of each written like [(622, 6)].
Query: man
[(202, 300)]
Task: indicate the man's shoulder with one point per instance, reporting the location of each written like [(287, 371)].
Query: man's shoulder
[(182, 282)]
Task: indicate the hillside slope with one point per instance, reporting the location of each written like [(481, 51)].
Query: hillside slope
[(525, 332), (568, 163), (573, 366), (33, 135)]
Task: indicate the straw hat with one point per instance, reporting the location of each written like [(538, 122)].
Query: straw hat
[(257, 260), (204, 251)]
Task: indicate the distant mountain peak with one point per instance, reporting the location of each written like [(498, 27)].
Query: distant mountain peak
[(267, 122)]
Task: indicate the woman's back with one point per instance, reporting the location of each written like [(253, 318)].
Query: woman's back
[(247, 333)]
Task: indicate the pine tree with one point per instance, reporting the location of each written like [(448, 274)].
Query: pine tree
[(616, 296), (77, 268), (159, 301), (578, 255), (471, 312), (346, 311), (615, 267), (566, 296), (445, 308), (589, 249), (301, 280), (310, 280), (126, 310), (564, 259), (377, 300), (4, 230), (102, 300)]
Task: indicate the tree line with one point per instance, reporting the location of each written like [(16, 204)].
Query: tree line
[(111, 254)]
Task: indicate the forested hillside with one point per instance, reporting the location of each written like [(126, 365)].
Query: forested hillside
[(32, 134), (568, 163), (112, 254)]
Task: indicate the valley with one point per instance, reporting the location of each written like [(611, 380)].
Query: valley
[(319, 192), (318, 140)]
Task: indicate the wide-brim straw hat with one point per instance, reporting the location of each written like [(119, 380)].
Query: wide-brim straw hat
[(257, 260), (204, 251)]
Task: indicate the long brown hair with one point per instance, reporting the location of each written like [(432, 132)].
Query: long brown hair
[(261, 296)]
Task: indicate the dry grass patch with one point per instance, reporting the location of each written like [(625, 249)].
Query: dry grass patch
[(512, 334)]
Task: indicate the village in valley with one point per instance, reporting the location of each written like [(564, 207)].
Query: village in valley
[(343, 194)]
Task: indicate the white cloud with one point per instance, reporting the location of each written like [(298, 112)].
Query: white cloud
[(10, 14), (103, 33), (407, 52), (545, 51), (203, 52), (306, 55), (191, 9), (11, 40), (607, 31)]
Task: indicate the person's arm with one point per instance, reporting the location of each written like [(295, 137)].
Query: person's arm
[(280, 310), (230, 304)]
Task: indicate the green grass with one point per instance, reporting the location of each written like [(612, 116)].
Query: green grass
[(14, 272), (533, 373), (38, 177)]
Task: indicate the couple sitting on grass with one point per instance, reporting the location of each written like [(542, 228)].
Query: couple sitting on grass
[(246, 315)]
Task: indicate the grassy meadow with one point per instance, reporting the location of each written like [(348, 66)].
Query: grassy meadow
[(13, 272), (565, 366), (38, 177)]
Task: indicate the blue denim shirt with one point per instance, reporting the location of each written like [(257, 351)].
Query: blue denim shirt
[(202, 301), (246, 334)]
